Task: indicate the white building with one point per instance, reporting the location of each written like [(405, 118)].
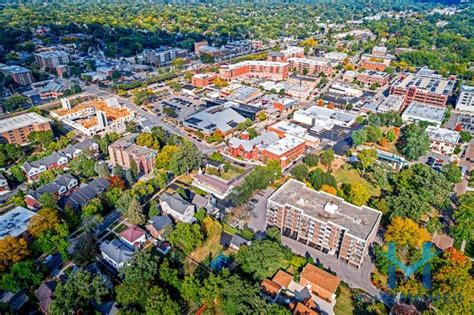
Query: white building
[(345, 89), (443, 140), (417, 111), (323, 118), (466, 99), (178, 208)]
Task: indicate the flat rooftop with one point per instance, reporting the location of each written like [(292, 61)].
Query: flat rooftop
[(254, 63), (443, 135), (15, 69), (432, 84), (113, 113), (21, 121), (312, 61), (422, 111), (284, 145), (290, 128), (357, 221), (15, 222)]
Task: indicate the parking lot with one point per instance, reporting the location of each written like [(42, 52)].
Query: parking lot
[(183, 106)]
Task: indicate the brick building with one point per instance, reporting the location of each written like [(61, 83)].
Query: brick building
[(277, 71), (285, 54), (311, 66), (124, 151), (51, 59), (322, 221), (16, 129), (20, 75), (425, 87), (203, 79), (370, 77)]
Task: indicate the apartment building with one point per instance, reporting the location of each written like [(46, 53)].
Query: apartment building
[(20, 75), (123, 151), (203, 79), (425, 87), (322, 221), (311, 66), (285, 150), (466, 99), (375, 62), (370, 77), (16, 129), (51, 59), (163, 55), (285, 54), (443, 140), (271, 70)]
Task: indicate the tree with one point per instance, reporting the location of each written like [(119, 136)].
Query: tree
[(190, 289), (465, 136), (12, 250), (367, 158), (124, 201), (15, 102), (262, 116), (163, 157), (186, 237), (53, 240), (318, 178), (21, 275), (359, 137), (80, 288), (185, 159), (311, 160), (329, 189), (46, 219), (83, 165), (92, 207), (18, 173), (405, 232), (84, 250), (374, 133), (358, 194), (262, 259), (220, 83), (134, 168), (102, 169), (135, 213), (212, 228), (178, 63), (464, 218), (42, 138), (413, 141), (159, 302), (300, 172), (391, 135), (452, 172), (327, 157)]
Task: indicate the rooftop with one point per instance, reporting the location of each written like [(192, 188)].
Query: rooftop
[(424, 111), (21, 121), (15, 222), (15, 69), (427, 82), (263, 140), (320, 277), (316, 61), (222, 119), (357, 221), (112, 111), (254, 63), (443, 135), (282, 278), (284, 145)]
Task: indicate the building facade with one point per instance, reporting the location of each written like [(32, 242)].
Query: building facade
[(51, 59), (443, 140), (313, 66), (16, 129), (285, 54), (124, 151), (370, 77), (277, 71), (203, 79), (20, 75), (322, 221)]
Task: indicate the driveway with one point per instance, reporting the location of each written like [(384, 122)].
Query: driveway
[(257, 221)]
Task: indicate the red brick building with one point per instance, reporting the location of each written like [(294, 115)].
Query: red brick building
[(311, 66), (285, 54), (16, 129), (203, 79), (370, 77), (277, 71)]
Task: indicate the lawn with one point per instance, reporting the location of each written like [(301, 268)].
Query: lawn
[(348, 174), (344, 300), (232, 172), (210, 248)]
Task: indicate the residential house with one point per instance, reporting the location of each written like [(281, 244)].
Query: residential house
[(45, 294), (178, 208), (62, 185), (4, 188), (320, 282), (233, 242), (116, 252), (214, 185), (134, 236), (87, 192), (157, 226)]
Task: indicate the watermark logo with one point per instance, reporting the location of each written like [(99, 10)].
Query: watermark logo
[(408, 271)]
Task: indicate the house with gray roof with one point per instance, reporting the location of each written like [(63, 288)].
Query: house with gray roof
[(157, 225), (59, 187), (34, 169), (224, 120), (249, 148), (87, 192), (116, 252), (178, 208)]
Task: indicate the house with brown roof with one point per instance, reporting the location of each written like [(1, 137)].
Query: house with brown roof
[(320, 282), (134, 236), (301, 309)]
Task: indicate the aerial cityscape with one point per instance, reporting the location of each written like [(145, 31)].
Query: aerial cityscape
[(237, 157)]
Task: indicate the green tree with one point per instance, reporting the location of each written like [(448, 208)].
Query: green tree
[(135, 213), (15, 102), (83, 166), (262, 259), (300, 172), (185, 159), (134, 168), (413, 141), (465, 136), (78, 291), (464, 218), (311, 160), (318, 178), (186, 237), (48, 200), (452, 172), (367, 158), (327, 157), (159, 302), (22, 274), (359, 137)]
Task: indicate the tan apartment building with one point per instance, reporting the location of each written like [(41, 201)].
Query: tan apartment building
[(16, 129), (324, 222), (124, 151)]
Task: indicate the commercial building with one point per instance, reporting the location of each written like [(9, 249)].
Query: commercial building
[(48, 89), (285, 54), (95, 116), (466, 99), (218, 187), (51, 59), (203, 79), (323, 118), (285, 150), (20, 75), (337, 56), (345, 89), (322, 221), (311, 66), (272, 70), (417, 111), (250, 149), (375, 62), (163, 55), (443, 140), (370, 77), (123, 151), (16, 129), (223, 120), (285, 128), (425, 87), (384, 104), (15, 222)]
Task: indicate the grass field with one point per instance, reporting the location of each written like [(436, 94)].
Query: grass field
[(348, 174), (232, 172), (210, 248), (344, 301)]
